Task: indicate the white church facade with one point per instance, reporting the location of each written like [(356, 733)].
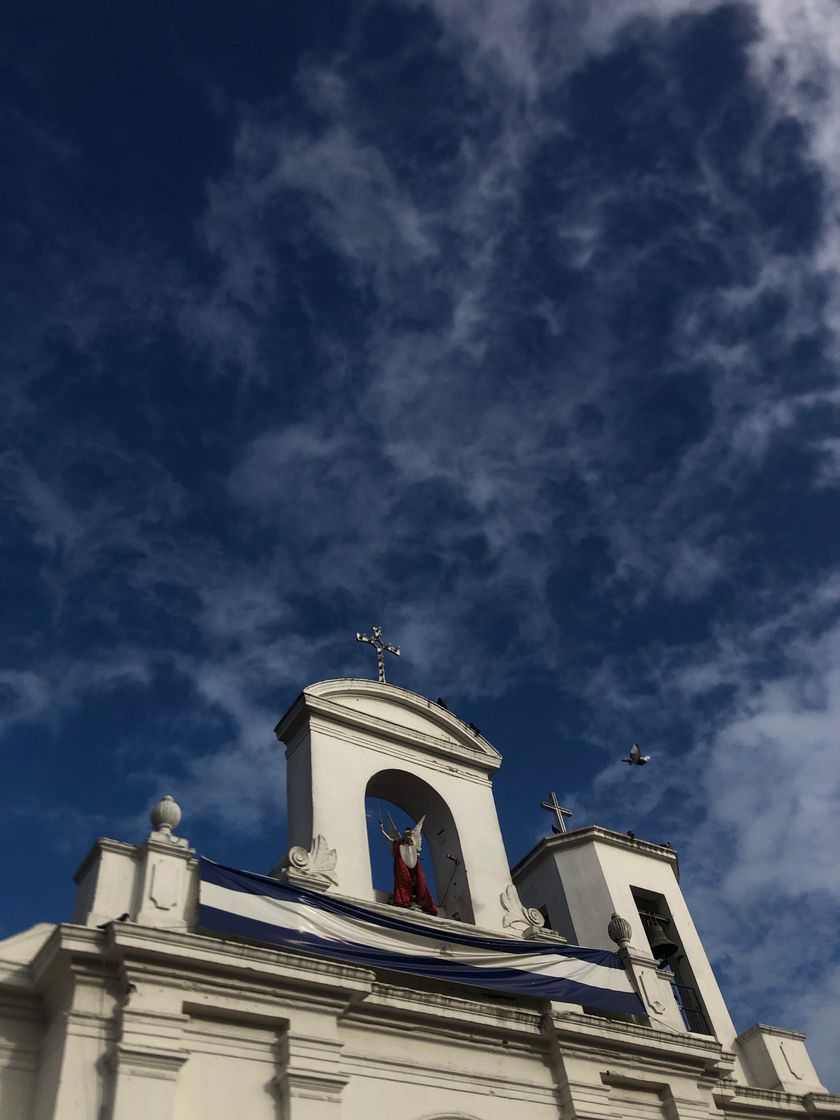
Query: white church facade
[(181, 989)]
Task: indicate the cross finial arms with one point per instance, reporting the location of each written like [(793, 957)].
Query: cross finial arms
[(380, 647), (555, 807)]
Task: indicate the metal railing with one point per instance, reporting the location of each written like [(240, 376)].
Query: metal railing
[(691, 1009)]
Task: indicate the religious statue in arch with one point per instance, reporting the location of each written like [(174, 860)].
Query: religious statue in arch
[(410, 886)]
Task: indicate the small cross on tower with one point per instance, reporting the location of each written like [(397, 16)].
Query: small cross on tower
[(555, 807), (380, 647)]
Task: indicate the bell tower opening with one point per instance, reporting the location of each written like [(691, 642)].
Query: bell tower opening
[(351, 740), (666, 945), (442, 856)]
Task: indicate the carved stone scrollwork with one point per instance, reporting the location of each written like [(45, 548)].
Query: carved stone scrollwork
[(314, 869), (516, 916)]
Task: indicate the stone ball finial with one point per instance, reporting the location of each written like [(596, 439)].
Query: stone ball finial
[(620, 930), (166, 815)]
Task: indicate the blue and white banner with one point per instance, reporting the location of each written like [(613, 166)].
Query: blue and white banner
[(260, 908)]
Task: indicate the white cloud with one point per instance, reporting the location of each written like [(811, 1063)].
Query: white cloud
[(753, 807), (25, 696), (445, 468)]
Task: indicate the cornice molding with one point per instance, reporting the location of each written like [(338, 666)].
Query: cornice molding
[(763, 1028), (323, 700), (104, 844), (593, 834)]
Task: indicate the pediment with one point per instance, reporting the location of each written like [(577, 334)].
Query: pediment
[(395, 712)]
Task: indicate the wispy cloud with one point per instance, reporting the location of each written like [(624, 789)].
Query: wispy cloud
[(520, 339), (752, 806)]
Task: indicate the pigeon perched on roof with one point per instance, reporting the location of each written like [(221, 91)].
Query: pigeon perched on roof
[(636, 757)]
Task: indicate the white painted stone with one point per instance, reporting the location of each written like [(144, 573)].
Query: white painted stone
[(166, 815), (150, 1018), (136, 1021), (587, 874), (347, 737), (527, 920), (778, 1059), (105, 883), (314, 868)]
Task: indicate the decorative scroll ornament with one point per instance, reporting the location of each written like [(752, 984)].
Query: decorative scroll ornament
[(314, 868), (516, 916)]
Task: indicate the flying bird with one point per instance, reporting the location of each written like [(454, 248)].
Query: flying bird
[(636, 757)]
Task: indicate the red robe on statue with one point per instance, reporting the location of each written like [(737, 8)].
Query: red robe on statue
[(410, 883)]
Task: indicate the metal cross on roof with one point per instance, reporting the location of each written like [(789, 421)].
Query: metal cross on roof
[(555, 807), (380, 647)]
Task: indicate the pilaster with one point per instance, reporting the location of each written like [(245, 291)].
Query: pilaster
[(145, 1081), (311, 1079), (586, 1100), (148, 1056), (166, 888), (80, 1006), (654, 988)]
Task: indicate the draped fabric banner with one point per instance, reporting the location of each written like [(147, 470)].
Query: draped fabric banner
[(242, 904)]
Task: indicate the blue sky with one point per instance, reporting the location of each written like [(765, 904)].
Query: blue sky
[(512, 327)]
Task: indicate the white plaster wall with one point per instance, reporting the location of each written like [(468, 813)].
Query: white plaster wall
[(106, 883), (50, 1073), (435, 1073), (340, 772), (23, 1022), (413, 1098), (340, 734), (779, 1059), (240, 1024), (155, 883), (597, 879), (147, 1019), (230, 1072), (299, 793), (572, 885), (623, 869), (391, 709), (73, 1075), (20, 1037)]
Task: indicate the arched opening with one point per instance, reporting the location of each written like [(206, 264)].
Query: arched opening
[(442, 857)]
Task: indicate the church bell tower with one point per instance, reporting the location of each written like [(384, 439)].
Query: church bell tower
[(349, 739)]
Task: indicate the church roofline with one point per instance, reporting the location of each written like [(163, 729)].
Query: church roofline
[(324, 698), (104, 843), (594, 833), (764, 1028)]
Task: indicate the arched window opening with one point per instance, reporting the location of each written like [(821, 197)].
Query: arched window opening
[(408, 798)]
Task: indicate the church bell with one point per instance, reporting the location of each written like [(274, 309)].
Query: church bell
[(661, 944)]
